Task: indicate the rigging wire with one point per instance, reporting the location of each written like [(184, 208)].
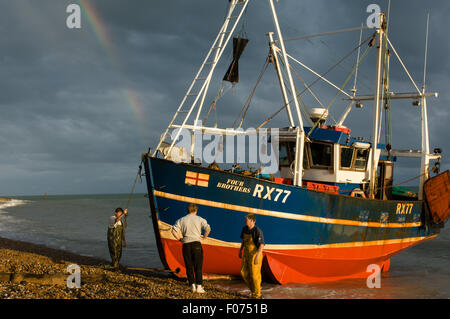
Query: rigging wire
[(385, 81), (404, 66), (320, 77), (357, 61), (426, 53), (242, 34), (339, 92), (303, 109), (220, 93), (333, 58), (244, 110), (310, 91), (402, 183), (326, 33), (138, 176)]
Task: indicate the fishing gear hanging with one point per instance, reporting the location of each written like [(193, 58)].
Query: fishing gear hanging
[(239, 44), (232, 74)]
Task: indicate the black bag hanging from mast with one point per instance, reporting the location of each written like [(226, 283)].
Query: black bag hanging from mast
[(232, 74)]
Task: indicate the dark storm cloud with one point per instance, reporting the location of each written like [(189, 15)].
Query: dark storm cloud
[(66, 123)]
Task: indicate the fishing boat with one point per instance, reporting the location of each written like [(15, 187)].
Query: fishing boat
[(330, 211)]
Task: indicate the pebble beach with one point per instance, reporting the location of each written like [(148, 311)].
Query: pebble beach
[(29, 271)]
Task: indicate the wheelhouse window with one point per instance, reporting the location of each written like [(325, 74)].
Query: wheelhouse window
[(287, 154), (321, 155), (305, 155), (284, 156), (361, 159), (346, 157)]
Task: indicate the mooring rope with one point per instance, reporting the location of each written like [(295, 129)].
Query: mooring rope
[(138, 175)]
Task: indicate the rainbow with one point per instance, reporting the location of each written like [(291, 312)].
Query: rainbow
[(103, 37)]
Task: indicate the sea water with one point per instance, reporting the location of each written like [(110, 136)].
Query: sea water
[(78, 223)]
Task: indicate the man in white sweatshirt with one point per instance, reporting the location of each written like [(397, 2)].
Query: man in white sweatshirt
[(188, 230)]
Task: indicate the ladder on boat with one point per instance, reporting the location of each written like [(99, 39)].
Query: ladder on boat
[(196, 93)]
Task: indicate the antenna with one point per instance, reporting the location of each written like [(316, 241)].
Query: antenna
[(426, 54), (388, 17)]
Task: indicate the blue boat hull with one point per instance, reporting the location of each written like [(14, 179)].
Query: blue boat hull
[(310, 236)]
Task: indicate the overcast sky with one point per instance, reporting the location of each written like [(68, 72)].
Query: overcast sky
[(79, 106)]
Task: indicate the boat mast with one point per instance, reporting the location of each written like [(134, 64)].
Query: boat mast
[(286, 63), (376, 111), (276, 62), (425, 160), (300, 144)]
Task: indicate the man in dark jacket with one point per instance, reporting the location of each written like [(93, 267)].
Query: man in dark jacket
[(252, 246)]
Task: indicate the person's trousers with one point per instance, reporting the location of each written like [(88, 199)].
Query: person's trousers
[(249, 271), (115, 244), (193, 260)]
